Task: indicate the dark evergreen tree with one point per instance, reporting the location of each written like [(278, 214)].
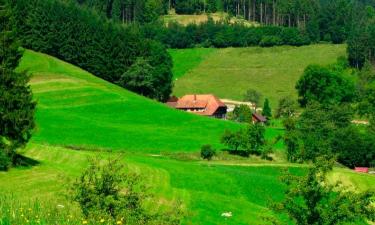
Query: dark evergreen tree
[(267, 112), (16, 105)]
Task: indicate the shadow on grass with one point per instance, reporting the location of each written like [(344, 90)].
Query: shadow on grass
[(23, 161)]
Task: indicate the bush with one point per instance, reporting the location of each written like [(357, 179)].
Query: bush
[(107, 190), (269, 41), (207, 152)]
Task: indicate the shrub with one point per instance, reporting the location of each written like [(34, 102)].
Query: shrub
[(107, 190), (207, 152), (269, 41)]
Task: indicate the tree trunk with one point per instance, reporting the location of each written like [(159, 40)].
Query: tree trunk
[(274, 12), (249, 11), (261, 13)]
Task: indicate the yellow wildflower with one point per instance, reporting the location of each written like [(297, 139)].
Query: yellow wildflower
[(84, 222), (119, 222), (102, 220)]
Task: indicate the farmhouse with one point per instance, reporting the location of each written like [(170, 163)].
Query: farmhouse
[(206, 105)]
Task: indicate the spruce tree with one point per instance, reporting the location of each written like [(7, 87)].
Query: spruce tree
[(16, 105), (267, 109)]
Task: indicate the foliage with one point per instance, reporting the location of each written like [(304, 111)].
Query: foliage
[(241, 113), (250, 140), (233, 140), (311, 199), (267, 112), (87, 40), (287, 107), (354, 147), (313, 133), (252, 96), (254, 138), (141, 78), (269, 41), (366, 89), (105, 190), (324, 85), (221, 34), (16, 104), (207, 152), (361, 41)]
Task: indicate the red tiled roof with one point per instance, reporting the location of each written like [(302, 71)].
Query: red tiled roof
[(361, 169), (208, 103), (259, 118)]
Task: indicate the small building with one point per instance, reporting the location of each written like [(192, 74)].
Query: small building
[(361, 169), (257, 118), (206, 105)]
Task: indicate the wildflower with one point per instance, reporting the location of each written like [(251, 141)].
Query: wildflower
[(102, 220), (84, 222), (119, 222)]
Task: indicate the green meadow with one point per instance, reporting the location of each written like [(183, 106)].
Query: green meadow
[(80, 115), (78, 109), (229, 72)]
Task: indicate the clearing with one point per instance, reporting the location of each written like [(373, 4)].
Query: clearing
[(229, 72)]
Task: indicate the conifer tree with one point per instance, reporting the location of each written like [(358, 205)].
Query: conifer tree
[(16, 104), (267, 109)]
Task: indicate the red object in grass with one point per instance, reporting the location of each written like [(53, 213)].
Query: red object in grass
[(361, 169)]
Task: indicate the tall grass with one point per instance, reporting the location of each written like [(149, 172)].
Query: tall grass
[(13, 211)]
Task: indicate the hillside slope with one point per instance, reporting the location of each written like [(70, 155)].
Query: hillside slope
[(230, 72), (78, 109)]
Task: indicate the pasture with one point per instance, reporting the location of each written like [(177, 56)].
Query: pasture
[(80, 116), (229, 72), (78, 109)]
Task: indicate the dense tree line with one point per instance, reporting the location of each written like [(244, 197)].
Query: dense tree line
[(223, 34), (322, 20), (325, 128), (128, 11), (361, 42), (103, 48), (16, 104)]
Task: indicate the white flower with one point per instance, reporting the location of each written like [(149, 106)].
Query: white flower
[(226, 214)]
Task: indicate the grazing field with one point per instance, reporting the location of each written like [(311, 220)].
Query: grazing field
[(229, 72), (80, 115), (188, 59), (78, 109)]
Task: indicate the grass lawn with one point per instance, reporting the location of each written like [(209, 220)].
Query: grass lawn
[(229, 72), (78, 109)]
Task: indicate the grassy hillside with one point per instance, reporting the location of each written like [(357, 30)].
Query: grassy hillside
[(205, 190), (78, 109), (229, 72)]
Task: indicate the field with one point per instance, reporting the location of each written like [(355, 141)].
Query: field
[(80, 116), (78, 109), (187, 19), (229, 72)]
